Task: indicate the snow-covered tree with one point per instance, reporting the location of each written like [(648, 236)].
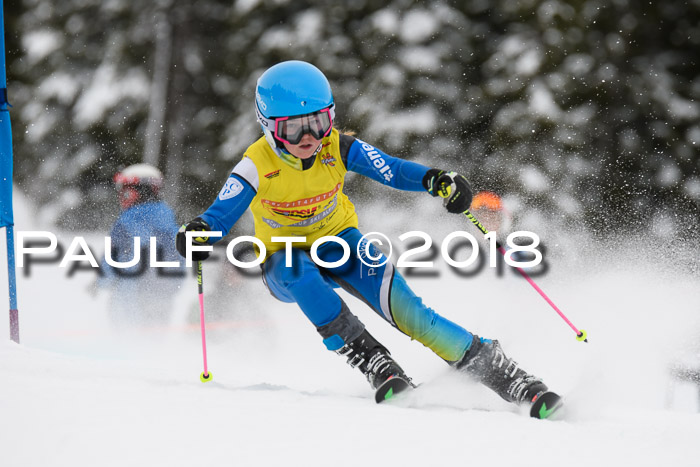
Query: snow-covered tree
[(583, 111)]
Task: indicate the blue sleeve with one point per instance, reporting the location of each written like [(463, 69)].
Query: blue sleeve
[(229, 206), (392, 171)]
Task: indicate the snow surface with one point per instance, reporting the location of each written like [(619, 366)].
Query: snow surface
[(77, 391)]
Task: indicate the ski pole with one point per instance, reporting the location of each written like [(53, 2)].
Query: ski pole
[(580, 333), (205, 376)]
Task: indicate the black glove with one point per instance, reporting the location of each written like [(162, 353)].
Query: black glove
[(197, 224), (451, 186)]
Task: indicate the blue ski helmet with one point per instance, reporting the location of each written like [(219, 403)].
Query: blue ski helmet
[(290, 89)]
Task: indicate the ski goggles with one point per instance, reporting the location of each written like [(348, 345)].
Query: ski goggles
[(121, 181), (290, 130)]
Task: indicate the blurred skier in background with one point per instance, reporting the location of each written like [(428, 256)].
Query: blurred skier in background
[(292, 179), (141, 294), (488, 207)]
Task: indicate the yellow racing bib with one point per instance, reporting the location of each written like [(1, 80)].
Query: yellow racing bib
[(291, 202)]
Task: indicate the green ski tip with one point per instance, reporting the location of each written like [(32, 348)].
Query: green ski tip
[(389, 394), (544, 412), (545, 405)]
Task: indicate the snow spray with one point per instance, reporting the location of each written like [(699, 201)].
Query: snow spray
[(580, 334)]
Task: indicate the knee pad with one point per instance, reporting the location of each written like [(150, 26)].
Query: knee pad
[(343, 329)]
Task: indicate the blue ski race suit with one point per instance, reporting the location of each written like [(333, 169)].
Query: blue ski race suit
[(311, 286)]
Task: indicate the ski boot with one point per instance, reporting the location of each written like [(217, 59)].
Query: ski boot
[(374, 361), (486, 361)]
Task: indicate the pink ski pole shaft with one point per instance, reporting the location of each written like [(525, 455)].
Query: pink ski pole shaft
[(580, 334), (205, 376)]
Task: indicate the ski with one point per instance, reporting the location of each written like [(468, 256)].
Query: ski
[(545, 405), (391, 387)]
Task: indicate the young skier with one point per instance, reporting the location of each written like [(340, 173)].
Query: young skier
[(292, 179), (141, 294), (487, 206)]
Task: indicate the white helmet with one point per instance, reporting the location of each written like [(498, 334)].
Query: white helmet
[(138, 183)]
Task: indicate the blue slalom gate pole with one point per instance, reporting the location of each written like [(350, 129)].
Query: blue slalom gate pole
[(12, 283), (6, 212)]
